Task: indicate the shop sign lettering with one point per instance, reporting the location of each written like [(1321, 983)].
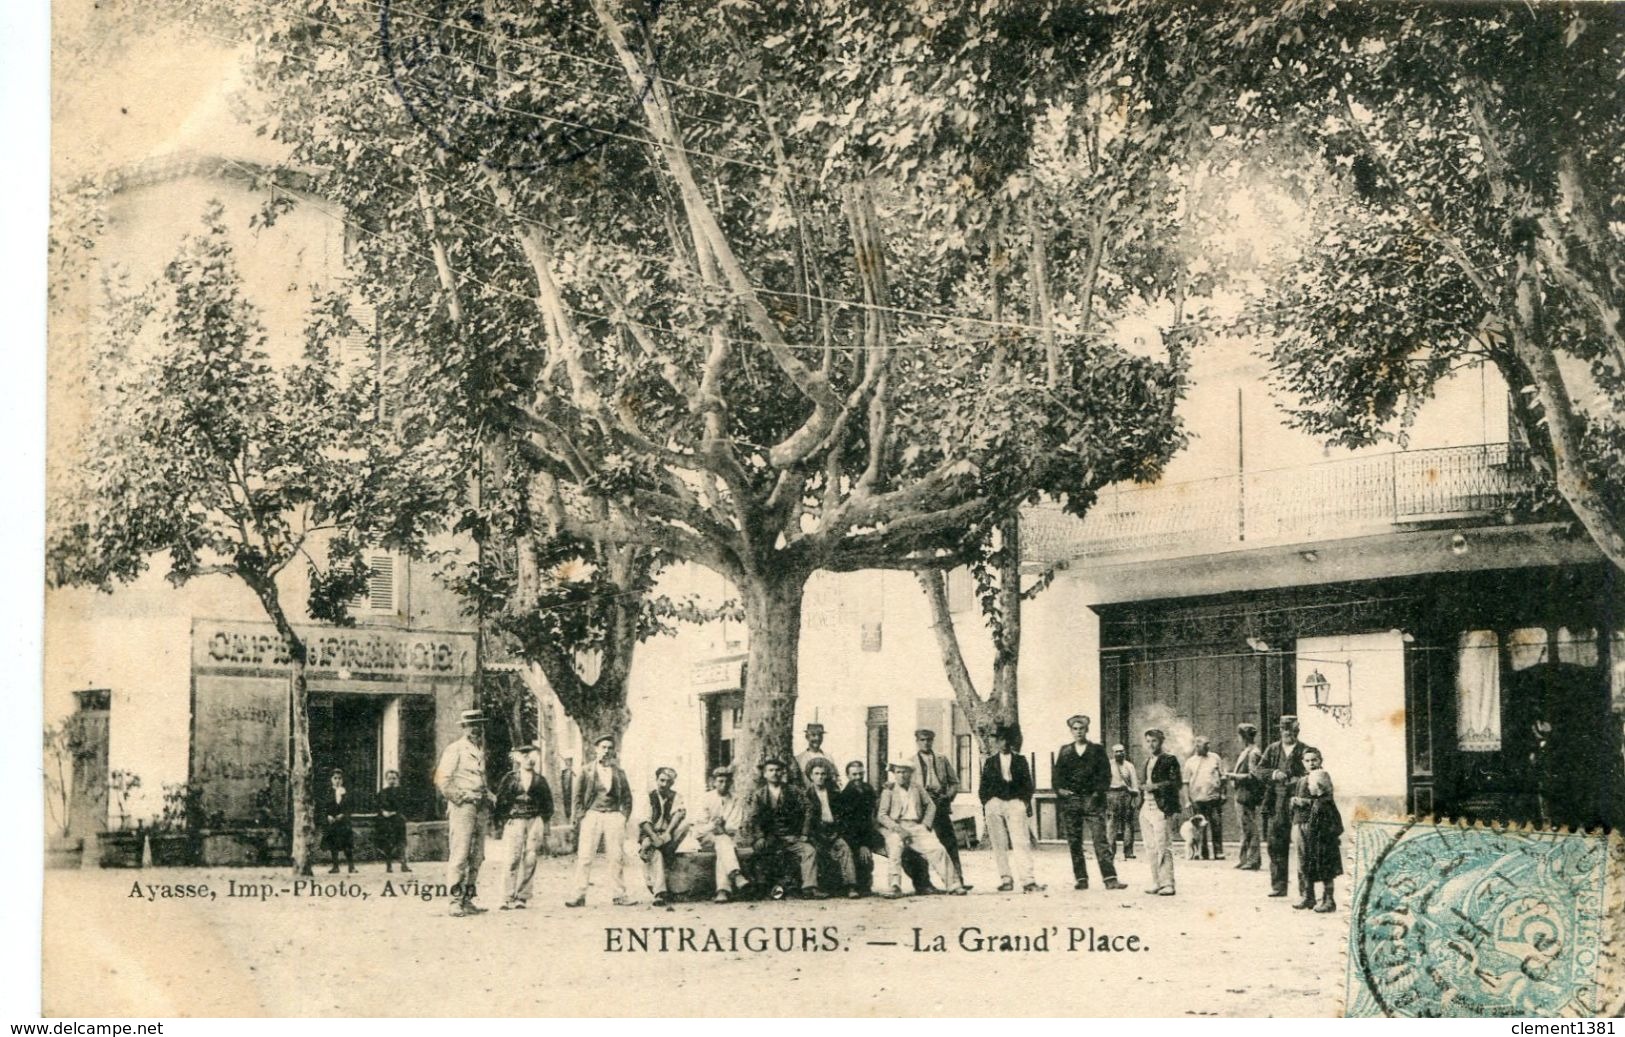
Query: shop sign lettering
[(395, 653)]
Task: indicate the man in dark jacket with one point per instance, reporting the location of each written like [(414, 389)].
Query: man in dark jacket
[(1280, 766), (1163, 780), (855, 807), (603, 803), (524, 808), (777, 815), (1081, 776), (822, 830), (1006, 792)]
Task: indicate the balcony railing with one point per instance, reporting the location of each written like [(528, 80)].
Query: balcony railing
[(1325, 501)]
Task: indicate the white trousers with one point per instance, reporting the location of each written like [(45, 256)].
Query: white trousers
[(915, 836), (466, 833), (1155, 825), (1007, 830), (722, 844), (609, 826)]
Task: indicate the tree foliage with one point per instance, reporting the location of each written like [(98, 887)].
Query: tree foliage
[(203, 450), (1473, 213), (773, 288)]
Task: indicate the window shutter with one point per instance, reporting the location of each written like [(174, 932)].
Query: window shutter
[(358, 350), (381, 582)]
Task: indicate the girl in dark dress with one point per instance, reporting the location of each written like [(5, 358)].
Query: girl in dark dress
[(1321, 857), (337, 834)]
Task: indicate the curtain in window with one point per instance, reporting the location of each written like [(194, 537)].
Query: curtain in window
[(1478, 692), (1577, 647), (1527, 647)]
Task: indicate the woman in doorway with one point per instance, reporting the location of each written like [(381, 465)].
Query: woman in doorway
[(337, 834), (1321, 827)]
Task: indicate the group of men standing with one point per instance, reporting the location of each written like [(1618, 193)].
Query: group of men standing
[(810, 834)]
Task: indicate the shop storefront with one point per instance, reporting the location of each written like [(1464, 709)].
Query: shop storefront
[(1494, 695), (380, 700)]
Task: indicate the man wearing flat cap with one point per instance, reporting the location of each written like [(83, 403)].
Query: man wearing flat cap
[(460, 777), (1081, 775), (524, 807), (1122, 800), (722, 817), (1006, 792), (1280, 766), (937, 778), (603, 805), (776, 816), (814, 751)]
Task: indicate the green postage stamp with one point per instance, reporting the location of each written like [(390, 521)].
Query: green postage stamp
[(1470, 921)]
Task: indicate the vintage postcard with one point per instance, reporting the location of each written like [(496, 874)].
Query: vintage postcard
[(1024, 508)]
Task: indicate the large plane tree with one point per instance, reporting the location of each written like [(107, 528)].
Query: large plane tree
[(732, 278)]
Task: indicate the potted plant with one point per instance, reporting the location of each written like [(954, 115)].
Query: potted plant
[(62, 848), (176, 834), (122, 847)]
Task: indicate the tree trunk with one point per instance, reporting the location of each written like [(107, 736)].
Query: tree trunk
[(985, 715), (300, 787), (1562, 427), (773, 616), (600, 719)]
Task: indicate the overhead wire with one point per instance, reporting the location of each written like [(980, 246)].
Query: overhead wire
[(1213, 324)]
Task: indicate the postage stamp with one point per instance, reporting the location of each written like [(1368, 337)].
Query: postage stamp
[(1471, 921)]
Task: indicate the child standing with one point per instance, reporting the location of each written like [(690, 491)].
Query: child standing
[(337, 835), (1321, 830), (392, 822)]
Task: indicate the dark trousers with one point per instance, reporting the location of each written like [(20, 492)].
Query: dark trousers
[(392, 838), (1251, 857), (943, 827), (1213, 839), (1076, 815), (1278, 838), (1120, 809)]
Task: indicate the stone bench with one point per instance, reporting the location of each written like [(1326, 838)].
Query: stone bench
[(693, 875)]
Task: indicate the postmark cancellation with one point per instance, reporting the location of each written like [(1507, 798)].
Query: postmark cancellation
[(1460, 920)]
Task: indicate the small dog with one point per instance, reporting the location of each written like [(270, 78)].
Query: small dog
[(1193, 831)]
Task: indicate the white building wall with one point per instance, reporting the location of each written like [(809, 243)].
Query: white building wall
[(1365, 753), (841, 681)]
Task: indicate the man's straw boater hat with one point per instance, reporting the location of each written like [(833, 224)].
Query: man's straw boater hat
[(471, 717)]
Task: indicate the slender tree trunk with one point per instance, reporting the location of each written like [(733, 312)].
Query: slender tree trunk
[(773, 616), (985, 715), (1563, 427), (300, 787)]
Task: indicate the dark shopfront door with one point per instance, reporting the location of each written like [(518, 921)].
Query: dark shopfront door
[(1189, 691), (345, 734)]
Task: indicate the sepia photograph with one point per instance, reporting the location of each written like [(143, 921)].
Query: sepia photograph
[(819, 508)]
